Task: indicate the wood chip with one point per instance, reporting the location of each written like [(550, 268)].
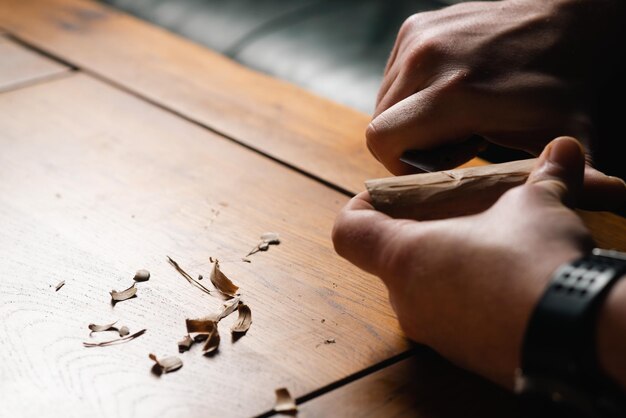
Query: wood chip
[(222, 283), (59, 285), (142, 275), (185, 344), (115, 341), (284, 401), (186, 275), (330, 341), (124, 294), (165, 364), (244, 320), (124, 331), (267, 239), (271, 238), (105, 327)]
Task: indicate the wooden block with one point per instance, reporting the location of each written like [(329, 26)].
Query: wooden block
[(449, 193), (315, 135), (20, 66), (472, 190), (104, 184), (423, 386)]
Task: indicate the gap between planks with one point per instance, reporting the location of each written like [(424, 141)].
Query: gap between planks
[(348, 379), (180, 115)]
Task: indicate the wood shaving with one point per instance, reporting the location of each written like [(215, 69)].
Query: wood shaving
[(124, 294), (186, 275), (115, 341), (267, 239), (284, 401), (222, 283), (142, 275), (271, 238), (243, 321), (213, 342), (330, 341), (59, 285), (165, 364), (204, 329), (105, 327), (228, 308), (200, 326), (185, 344), (123, 331)]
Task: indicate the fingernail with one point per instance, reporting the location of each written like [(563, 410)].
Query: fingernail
[(563, 149)]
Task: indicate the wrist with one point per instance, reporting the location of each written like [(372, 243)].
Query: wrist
[(571, 355)]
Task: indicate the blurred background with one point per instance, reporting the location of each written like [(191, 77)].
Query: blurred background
[(335, 48)]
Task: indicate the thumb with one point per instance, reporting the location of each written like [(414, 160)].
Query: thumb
[(560, 169)]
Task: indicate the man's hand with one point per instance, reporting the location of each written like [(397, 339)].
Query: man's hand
[(516, 72), (466, 286)]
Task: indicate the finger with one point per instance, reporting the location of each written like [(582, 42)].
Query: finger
[(387, 83), (362, 234), (602, 192), (559, 170), (426, 120)]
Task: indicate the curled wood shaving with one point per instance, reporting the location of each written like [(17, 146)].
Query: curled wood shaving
[(100, 328), (244, 320), (186, 275), (284, 401), (59, 285), (142, 275), (205, 329), (200, 326), (228, 308), (222, 283), (115, 341), (166, 364), (267, 239), (212, 342), (123, 331), (185, 344), (330, 341), (124, 294)]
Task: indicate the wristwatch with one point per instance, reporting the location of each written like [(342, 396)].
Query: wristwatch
[(559, 367)]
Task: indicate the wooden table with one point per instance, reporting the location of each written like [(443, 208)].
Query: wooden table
[(123, 144)]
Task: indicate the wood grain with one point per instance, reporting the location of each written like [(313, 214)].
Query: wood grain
[(423, 386), (444, 194), (20, 66), (104, 184), (472, 190), (313, 134)]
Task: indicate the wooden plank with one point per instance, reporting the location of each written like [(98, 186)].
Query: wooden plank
[(104, 184), (20, 66), (423, 386), (316, 135)]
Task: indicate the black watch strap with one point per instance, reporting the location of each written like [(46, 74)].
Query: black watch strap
[(559, 359)]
